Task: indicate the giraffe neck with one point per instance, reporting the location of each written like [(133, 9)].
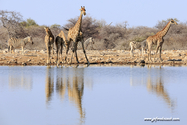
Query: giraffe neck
[(49, 33), (165, 30), (78, 23)]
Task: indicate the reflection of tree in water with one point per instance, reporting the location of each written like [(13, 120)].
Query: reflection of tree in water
[(49, 86), (21, 79), (72, 80), (156, 86)]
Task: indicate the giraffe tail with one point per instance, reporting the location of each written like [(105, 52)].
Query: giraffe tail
[(56, 40)]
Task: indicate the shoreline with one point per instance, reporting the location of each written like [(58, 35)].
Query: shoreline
[(95, 57)]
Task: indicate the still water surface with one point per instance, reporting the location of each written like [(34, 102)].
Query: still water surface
[(92, 96)]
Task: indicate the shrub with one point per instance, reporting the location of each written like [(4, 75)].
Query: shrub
[(29, 22), (106, 36)]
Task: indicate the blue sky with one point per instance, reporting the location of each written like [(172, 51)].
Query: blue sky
[(135, 12)]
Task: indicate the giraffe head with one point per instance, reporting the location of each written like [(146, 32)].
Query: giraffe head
[(173, 22), (83, 10), (47, 29)]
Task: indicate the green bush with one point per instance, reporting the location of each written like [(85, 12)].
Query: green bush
[(28, 23)]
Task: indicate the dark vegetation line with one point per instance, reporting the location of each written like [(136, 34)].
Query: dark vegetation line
[(106, 36)]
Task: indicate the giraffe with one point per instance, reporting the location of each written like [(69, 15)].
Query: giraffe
[(158, 40), (59, 42), (75, 35), (49, 41)]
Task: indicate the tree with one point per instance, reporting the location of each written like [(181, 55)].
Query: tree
[(11, 21), (29, 22), (101, 23), (55, 26)]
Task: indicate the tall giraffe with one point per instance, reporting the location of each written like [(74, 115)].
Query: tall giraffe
[(158, 40), (75, 36), (49, 41)]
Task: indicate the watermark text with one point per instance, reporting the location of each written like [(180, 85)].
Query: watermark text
[(161, 119)]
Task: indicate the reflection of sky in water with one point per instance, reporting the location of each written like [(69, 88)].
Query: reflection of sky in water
[(93, 95)]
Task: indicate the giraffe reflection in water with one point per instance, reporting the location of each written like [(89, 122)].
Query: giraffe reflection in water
[(49, 86), (70, 82), (154, 84)]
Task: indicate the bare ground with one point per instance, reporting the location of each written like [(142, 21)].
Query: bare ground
[(120, 57)]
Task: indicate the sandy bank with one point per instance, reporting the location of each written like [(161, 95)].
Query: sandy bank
[(121, 57)]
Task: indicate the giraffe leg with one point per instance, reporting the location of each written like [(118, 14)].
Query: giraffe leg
[(156, 51), (149, 52), (52, 50), (56, 43), (13, 50), (67, 49), (57, 60), (60, 51), (85, 52), (48, 54), (52, 46), (73, 50), (159, 46), (160, 49), (76, 52)]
